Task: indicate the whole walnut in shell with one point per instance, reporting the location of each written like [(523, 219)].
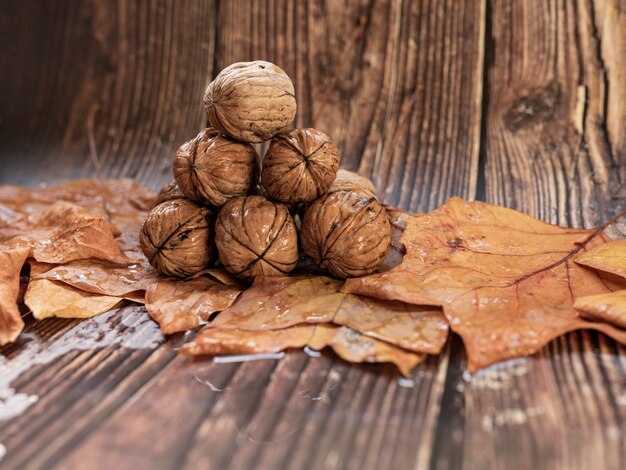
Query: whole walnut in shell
[(348, 180), (299, 165), (346, 233), (177, 237), (251, 101), (169, 192), (256, 237), (213, 168)]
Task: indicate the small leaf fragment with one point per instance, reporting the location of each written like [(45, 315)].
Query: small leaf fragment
[(179, 305), (610, 308), (609, 257), (221, 341), (99, 277), (355, 347), (48, 299)]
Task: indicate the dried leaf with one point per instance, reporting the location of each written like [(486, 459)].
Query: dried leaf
[(65, 232), (47, 299), (413, 327), (12, 258), (354, 347), (610, 308), (50, 299), (129, 282), (223, 341), (124, 203), (104, 278), (506, 281), (179, 305), (75, 221), (280, 302), (348, 344), (612, 281), (114, 198), (609, 257)]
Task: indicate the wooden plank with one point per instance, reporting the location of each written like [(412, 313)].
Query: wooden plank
[(107, 87), (269, 413), (78, 372), (554, 149), (548, 151), (396, 83)]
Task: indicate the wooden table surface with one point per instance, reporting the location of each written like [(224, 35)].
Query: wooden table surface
[(519, 103)]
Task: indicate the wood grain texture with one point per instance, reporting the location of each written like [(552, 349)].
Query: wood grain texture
[(517, 103), (549, 151), (109, 87), (372, 74), (552, 149)]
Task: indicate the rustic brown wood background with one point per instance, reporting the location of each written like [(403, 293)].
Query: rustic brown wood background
[(520, 103)]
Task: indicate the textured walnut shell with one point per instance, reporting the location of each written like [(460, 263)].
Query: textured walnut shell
[(299, 165), (251, 101), (213, 168), (169, 192), (256, 237), (350, 181), (346, 233), (177, 237)]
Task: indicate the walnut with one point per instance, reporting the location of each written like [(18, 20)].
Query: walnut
[(299, 166), (256, 237), (348, 180), (212, 168), (346, 233), (251, 101), (177, 237), (169, 192)]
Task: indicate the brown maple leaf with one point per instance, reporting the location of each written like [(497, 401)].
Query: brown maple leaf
[(347, 343), (274, 303), (506, 281)]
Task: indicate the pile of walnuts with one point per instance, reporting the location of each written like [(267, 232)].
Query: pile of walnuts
[(216, 208)]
